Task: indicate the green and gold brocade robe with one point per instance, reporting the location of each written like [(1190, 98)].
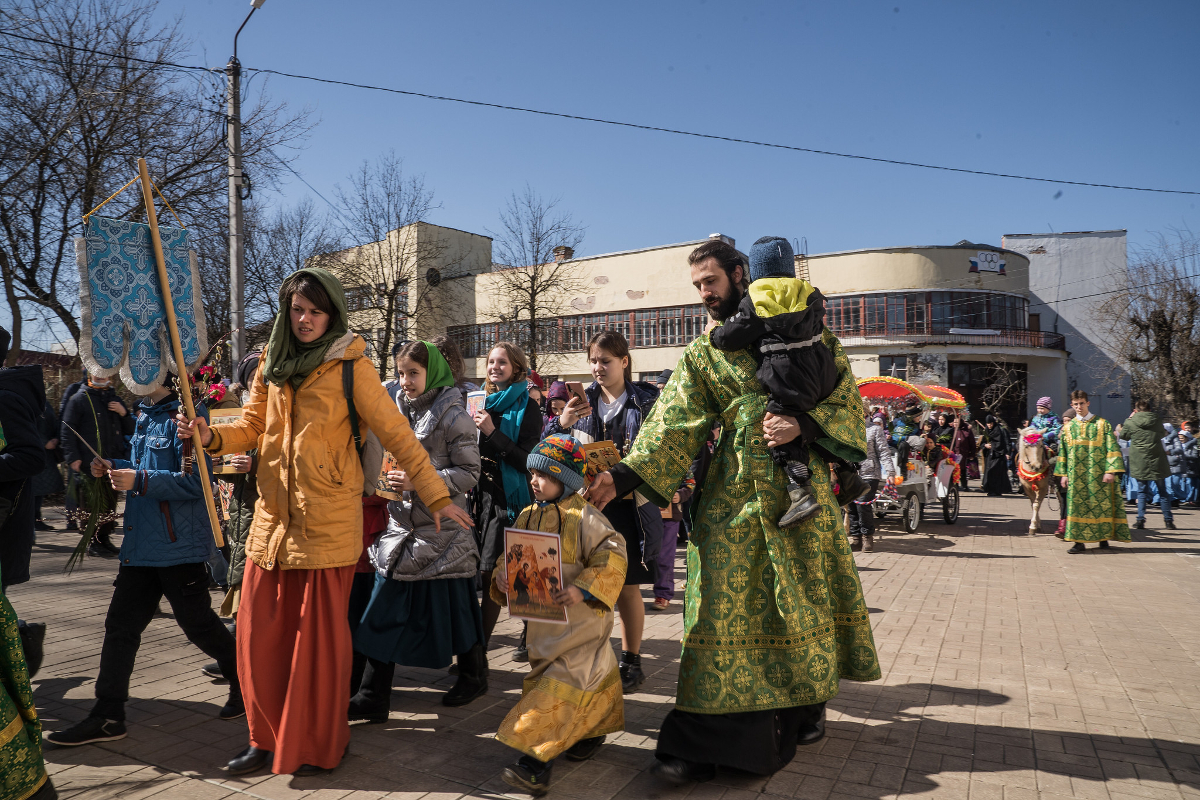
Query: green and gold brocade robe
[(773, 618), (1086, 452), (22, 771)]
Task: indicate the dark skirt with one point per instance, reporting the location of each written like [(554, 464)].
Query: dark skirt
[(420, 623), (995, 475), (761, 742), (624, 517)]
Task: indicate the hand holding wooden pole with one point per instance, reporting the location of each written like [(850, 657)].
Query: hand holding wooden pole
[(185, 388)]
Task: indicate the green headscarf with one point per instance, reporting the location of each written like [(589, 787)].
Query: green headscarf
[(438, 373), (287, 359)]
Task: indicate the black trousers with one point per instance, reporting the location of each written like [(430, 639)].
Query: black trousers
[(134, 602), (761, 742), (862, 515)]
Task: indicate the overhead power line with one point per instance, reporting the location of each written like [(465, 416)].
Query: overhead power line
[(715, 137), (619, 123)]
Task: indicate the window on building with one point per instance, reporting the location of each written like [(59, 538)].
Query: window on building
[(894, 366), (656, 327), (875, 314)]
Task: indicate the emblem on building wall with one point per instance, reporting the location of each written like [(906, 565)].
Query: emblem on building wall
[(987, 261)]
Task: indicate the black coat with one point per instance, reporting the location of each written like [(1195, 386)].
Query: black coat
[(22, 396), (490, 506), (995, 460), (794, 365), (104, 430)]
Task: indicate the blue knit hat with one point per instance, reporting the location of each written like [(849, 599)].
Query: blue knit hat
[(772, 257), (562, 458)]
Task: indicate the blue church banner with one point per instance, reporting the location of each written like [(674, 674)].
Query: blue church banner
[(124, 320)]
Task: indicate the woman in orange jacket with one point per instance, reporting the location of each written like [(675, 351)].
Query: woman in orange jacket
[(293, 638)]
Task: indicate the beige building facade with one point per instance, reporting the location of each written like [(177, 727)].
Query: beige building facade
[(956, 316)]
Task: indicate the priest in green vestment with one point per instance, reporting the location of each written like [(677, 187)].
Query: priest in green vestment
[(1089, 461), (773, 619)]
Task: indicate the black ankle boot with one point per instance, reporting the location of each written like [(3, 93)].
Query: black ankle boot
[(472, 677), (631, 671), (374, 697)]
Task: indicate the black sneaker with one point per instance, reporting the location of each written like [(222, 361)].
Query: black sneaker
[(1078, 547), (40, 524), (92, 729), (584, 749), (1170, 525), (529, 774), (213, 670), (1139, 525)]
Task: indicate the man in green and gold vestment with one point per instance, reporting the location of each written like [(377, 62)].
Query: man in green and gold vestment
[(773, 618), (1089, 460)]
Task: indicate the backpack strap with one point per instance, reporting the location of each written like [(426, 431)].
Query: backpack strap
[(348, 390)]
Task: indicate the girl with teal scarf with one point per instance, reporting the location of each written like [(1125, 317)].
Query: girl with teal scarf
[(510, 426)]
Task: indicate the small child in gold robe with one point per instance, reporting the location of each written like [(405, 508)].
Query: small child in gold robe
[(572, 695)]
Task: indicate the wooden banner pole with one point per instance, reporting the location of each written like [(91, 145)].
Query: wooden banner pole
[(185, 386)]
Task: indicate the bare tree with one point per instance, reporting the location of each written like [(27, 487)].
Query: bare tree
[(1007, 389), (535, 279), (89, 89), (1154, 322), (278, 242), (394, 254)]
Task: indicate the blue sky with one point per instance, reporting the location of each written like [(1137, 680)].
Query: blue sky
[(1101, 92)]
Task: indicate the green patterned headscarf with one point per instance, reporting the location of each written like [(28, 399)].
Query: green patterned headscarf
[(437, 374), (287, 359)]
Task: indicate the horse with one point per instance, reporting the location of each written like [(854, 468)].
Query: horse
[(1035, 468)]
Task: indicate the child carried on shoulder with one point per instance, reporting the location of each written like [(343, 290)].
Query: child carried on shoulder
[(782, 320)]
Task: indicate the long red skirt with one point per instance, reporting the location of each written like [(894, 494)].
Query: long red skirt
[(294, 655)]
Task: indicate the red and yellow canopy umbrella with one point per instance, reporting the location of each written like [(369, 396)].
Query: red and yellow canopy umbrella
[(941, 396)]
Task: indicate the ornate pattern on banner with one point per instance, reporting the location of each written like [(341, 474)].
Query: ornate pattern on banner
[(124, 320), (773, 618)]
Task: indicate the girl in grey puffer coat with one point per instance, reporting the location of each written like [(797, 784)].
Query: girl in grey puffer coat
[(423, 609), (411, 549)]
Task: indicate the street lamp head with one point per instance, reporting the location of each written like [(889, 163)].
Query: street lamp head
[(257, 3)]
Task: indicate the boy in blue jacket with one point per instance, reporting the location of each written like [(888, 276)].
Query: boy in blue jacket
[(165, 550)]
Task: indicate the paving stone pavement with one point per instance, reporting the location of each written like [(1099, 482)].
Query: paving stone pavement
[(1012, 670)]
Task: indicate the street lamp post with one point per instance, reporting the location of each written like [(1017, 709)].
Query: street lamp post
[(233, 126)]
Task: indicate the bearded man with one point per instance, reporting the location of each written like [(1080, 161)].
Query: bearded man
[(773, 618)]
